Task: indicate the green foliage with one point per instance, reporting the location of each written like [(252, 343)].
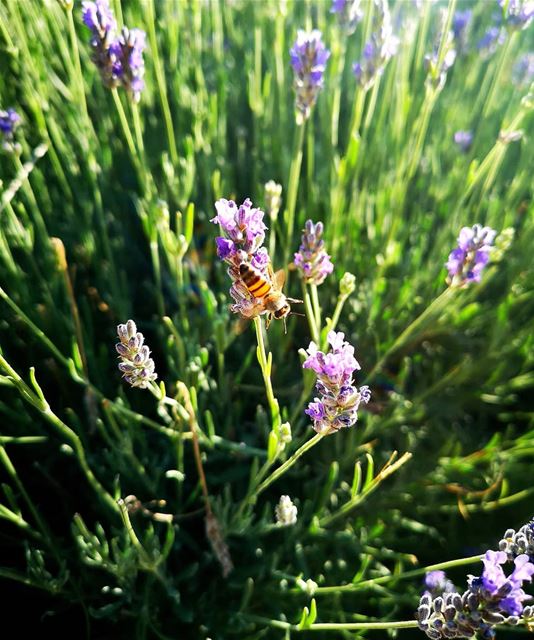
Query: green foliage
[(105, 216)]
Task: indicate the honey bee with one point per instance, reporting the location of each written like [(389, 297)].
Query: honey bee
[(268, 291)]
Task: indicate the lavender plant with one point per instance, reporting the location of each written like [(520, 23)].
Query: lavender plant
[(207, 500)]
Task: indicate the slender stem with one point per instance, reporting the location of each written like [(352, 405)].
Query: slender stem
[(354, 626), (332, 324), (310, 314), (357, 586), (289, 462), (293, 186), (128, 137), (488, 103), (265, 362), (411, 328), (160, 79), (316, 306), (138, 128)]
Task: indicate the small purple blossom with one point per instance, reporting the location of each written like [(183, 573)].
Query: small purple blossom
[(467, 261), (379, 49), (517, 14), (349, 13), (460, 24), (311, 259), (337, 406), (98, 16), (489, 42), (523, 70), (129, 65), (9, 121), (308, 59), (436, 582), (464, 139)]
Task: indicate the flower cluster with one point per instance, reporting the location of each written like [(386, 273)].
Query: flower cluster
[(517, 14), (136, 364), (490, 599), (464, 139), (467, 261), (118, 58), (349, 13), (308, 59), (311, 259), (244, 233), (379, 49), (438, 68), (9, 121), (337, 406), (285, 512), (460, 24), (518, 543)]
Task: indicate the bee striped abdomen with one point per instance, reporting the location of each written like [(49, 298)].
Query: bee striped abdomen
[(254, 281)]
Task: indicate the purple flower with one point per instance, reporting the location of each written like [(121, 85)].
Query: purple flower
[(517, 14), (337, 408), (349, 13), (523, 70), (381, 47), (244, 233), (497, 589), (436, 582), (9, 121), (489, 42), (312, 260), (467, 261), (464, 139), (129, 65), (98, 17), (119, 59), (308, 59), (460, 23), (517, 543)]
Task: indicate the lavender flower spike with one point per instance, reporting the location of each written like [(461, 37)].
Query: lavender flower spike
[(9, 121), (312, 260), (308, 59), (467, 261), (98, 17), (129, 65), (349, 13), (523, 70), (338, 402), (244, 233), (517, 14), (381, 47), (136, 364)]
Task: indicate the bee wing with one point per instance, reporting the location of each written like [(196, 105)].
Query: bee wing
[(279, 279), (240, 325)]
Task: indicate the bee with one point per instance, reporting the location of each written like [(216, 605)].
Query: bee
[(268, 291)]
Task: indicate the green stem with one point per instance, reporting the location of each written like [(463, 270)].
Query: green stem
[(128, 137), (289, 462), (160, 79), (435, 305), (310, 314), (265, 362), (488, 103), (293, 186), (357, 586), (316, 307)]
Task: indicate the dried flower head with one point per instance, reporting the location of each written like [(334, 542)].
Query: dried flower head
[(218, 544), (308, 59), (379, 49), (273, 198), (467, 261), (285, 512), (136, 365), (347, 284), (506, 137), (338, 402), (311, 259)]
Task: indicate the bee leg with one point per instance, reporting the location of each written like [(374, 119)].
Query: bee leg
[(268, 319), (285, 326)]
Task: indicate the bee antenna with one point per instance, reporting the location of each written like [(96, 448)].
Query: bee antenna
[(294, 313)]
